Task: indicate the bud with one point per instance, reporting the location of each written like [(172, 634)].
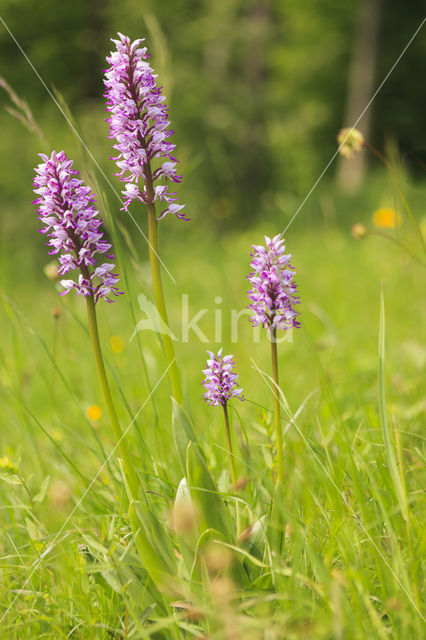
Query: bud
[(183, 511), (56, 312), (350, 141), (359, 232)]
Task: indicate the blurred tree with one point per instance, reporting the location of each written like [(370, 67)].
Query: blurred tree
[(360, 88), (256, 88), (399, 109), (62, 40)]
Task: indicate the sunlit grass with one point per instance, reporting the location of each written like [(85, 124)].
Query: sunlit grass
[(351, 558)]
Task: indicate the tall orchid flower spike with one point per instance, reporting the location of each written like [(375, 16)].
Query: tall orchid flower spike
[(74, 228), (220, 380), (140, 127), (273, 299), (274, 292), (221, 385)]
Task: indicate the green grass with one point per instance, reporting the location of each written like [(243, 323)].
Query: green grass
[(336, 553)]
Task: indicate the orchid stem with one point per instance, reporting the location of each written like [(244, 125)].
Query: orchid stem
[(228, 437), (232, 464), (130, 473), (277, 409), (160, 301)]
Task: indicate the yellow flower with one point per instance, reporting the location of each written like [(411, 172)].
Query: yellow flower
[(94, 412), (350, 141), (7, 465), (117, 344), (386, 218)]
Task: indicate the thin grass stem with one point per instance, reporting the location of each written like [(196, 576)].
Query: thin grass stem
[(277, 409)]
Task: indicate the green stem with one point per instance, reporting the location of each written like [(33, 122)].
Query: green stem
[(132, 478), (404, 200), (277, 408), (402, 246), (228, 437), (160, 301), (56, 313), (232, 464), (29, 494), (154, 259)]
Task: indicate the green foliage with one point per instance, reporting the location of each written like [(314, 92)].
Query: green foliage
[(348, 558)]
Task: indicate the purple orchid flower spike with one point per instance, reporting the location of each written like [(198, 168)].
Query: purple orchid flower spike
[(273, 297), (274, 292), (220, 380), (221, 385), (140, 127), (73, 226)]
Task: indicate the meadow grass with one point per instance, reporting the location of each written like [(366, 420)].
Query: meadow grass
[(337, 552)]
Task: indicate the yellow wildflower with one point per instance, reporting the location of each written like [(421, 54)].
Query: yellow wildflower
[(117, 344), (7, 465), (386, 218), (94, 412)]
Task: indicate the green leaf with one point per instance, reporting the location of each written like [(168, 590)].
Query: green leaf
[(153, 543), (43, 490), (210, 509), (183, 432), (389, 450), (256, 539), (277, 520), (32, 529)]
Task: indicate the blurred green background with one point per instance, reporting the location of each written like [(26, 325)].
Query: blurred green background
[(257, 91)]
